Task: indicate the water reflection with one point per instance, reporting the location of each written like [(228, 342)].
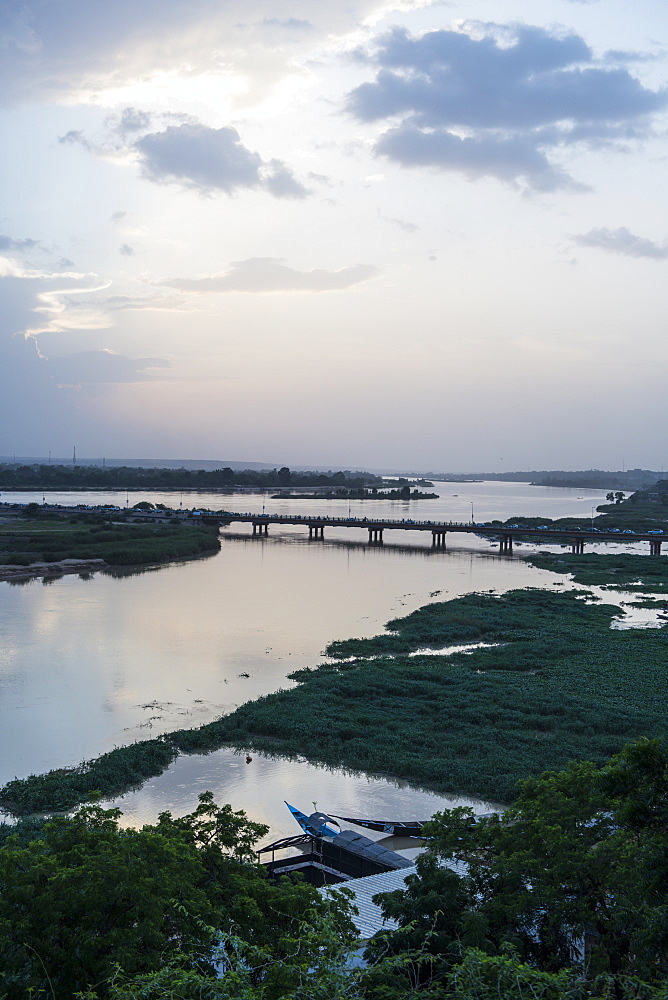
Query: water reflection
[(92, 662), (261, 787)]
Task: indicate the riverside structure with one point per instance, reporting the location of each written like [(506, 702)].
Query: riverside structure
[(375, 527), (439, 529)]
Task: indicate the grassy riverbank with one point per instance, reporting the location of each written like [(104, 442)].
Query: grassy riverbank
[(559, 685), (23, 543), (619, 572)]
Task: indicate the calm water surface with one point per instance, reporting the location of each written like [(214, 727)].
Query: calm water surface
[(89, 664)]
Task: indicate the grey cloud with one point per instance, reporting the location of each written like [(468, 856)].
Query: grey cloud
[(407, 227), (31, 404), (7, 243), (510, 160), (51, 48), (208, 160), (497, 103), (281, 182), (267, 274), (103, 366), (126, 250), (132, 120), (75, 137), (290, 23), (118, 216), (622, 241)]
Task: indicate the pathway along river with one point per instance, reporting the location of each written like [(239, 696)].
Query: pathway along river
[(89, 663)]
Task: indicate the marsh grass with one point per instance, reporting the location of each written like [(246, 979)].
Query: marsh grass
[(117, 544), (561, 686), (620, 572)]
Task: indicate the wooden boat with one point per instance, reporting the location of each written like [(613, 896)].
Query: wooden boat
[(395, 828)]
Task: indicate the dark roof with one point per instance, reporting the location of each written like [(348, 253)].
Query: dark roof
[(365, 848)]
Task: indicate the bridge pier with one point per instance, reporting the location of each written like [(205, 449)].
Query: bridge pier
[(655, 547), (316, 531), (260, 528), (438, 539), (506, 544), (375, 536), (577, 546)]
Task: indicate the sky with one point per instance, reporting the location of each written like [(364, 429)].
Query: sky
[(365, 234)]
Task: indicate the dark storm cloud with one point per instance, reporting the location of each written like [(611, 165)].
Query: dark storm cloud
[(266, 274), (210, 160), (623, 241), (497, 102)]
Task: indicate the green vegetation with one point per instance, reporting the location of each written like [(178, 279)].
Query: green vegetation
[(559, 685), (26, 542), (619, 572), (579, 863), (81, 897), (110, 775), (564, 898), (87, 477)]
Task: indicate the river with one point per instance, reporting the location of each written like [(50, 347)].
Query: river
[(92, 662)]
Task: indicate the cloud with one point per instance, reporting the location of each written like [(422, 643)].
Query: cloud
[(496, 101), (132, 120), (289, 23), (267, 274), (203, 159), (7, 243), (511, 159), (75, 137), (623, 241), (211, 159), (103, 366), (79, 49), (406, 227), (125, 250), (153, 303)]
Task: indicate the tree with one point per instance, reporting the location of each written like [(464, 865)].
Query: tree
[(574, 874), (284, 476), (85, 897)]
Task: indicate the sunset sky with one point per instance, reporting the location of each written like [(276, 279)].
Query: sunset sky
[(403, 235)]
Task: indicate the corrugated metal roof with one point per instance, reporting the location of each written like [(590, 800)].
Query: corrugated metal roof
[(370, 918)]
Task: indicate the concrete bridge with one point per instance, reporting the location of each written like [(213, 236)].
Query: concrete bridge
[(439, 530)]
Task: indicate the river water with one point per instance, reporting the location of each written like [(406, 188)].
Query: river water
[(89, 663)]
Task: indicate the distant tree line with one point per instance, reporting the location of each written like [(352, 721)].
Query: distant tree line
[(595, 479), (125, 477)]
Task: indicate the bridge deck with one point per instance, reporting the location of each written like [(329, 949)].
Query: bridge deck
[(442, 527)]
